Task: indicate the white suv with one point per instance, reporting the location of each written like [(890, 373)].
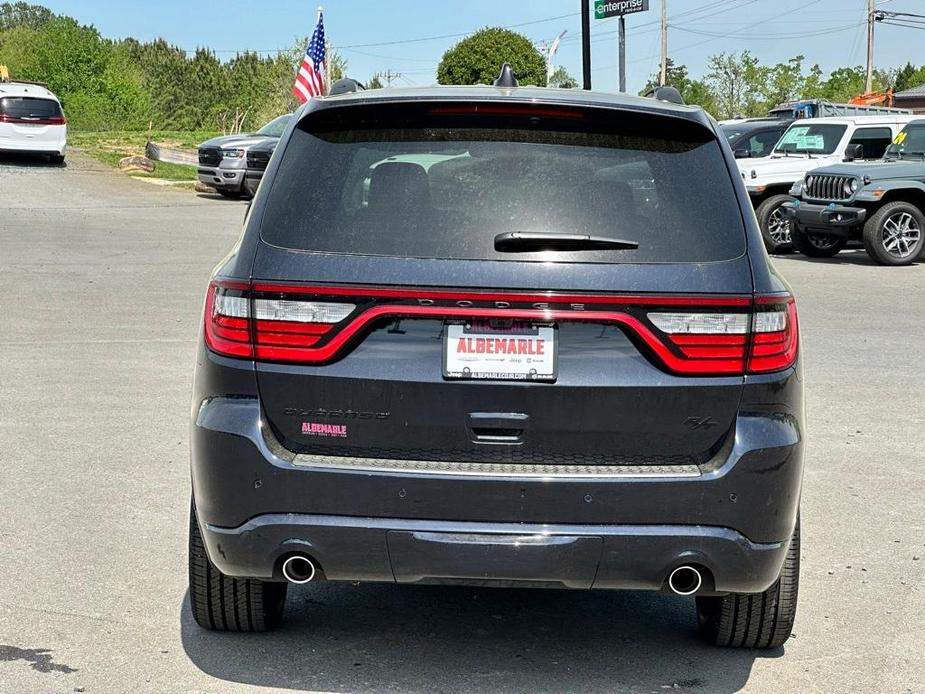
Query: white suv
[(31, 120), (808, 144)]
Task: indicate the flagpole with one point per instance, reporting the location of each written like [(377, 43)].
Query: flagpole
[(327, 55)]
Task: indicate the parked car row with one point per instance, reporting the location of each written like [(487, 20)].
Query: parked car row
[(808, 144), (878, 203)]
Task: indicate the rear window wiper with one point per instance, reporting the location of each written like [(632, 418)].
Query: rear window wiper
[(528, 241)]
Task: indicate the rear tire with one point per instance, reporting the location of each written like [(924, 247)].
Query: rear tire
[(223, 603), (895, 234), (759, 620), (776, 229), (56, 159), (232, 194), (817, 245)]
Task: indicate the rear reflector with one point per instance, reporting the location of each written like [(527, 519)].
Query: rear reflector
[(312, 325)]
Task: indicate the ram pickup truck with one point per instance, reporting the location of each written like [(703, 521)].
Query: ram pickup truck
[(881, 203), (223, 160), (808, 144)]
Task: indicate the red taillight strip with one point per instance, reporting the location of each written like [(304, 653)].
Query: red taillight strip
[(327, 351), (54, 120), (698, 354), (537, 297)]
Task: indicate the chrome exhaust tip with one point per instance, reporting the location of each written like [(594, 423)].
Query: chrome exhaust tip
[(298, 569), (685, 580)]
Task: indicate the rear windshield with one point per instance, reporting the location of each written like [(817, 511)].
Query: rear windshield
[(443, 182), (29, 107)]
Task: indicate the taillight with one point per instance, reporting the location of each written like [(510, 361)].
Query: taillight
[(53, 120), (758, 342), (242, 323), (686, 335), (775, 334), (227, 320), (285, 328)]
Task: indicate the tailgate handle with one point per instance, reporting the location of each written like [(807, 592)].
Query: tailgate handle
[(498, 427)]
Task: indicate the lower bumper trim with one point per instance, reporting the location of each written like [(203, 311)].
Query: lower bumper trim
[(637, 557)]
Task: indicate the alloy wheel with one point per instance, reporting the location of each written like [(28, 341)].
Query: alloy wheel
[(901, 235), (779, 226)]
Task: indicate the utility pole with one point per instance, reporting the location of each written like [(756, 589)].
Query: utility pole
[(389, 76), (663, 73), (871, 17), (586, 43)]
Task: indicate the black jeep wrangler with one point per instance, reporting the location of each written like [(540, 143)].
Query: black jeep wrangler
[(880, 203)]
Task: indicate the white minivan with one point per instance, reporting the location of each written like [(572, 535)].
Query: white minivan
[(808, 144), (32, 121)]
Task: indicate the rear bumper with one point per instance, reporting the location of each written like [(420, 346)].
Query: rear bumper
[(257, 502), (634, 557), (832, 220), (33, 147), (217, 177)]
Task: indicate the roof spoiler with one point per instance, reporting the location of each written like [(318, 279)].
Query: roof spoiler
[(669, 94)]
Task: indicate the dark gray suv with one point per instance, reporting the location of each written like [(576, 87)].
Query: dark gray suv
[(506, 337)]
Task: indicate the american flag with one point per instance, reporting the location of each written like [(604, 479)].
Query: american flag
[(310, 80)]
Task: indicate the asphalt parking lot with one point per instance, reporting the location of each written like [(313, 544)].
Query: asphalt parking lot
[(101, 284)]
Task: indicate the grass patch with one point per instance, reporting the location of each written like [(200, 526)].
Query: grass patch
[(110, 147)]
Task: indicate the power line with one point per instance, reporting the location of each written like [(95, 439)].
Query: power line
[(765, 36), (737, 32), (455, 36), (398, 42)]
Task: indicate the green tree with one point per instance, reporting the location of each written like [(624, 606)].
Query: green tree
[(785, 82), (375, 82), (737, 81), (846, 82), (23, 14), (477, 59), (338, 66), (562, 79), (908, 77)]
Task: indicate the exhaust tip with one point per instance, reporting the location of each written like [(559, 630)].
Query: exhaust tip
[(298, 569), (685, 580)]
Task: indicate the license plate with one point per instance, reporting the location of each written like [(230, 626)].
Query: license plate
[(518, 352)]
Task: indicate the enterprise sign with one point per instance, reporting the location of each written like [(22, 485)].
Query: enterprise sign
[(614, 8)]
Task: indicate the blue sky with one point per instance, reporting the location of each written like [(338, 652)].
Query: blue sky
[(829, 32)]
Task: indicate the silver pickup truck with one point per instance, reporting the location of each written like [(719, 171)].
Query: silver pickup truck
[(223, 160)]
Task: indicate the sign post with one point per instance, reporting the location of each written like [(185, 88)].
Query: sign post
[(586, 43), (604, 9)]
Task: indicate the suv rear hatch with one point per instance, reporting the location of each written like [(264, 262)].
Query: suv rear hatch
[(393, 320)]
